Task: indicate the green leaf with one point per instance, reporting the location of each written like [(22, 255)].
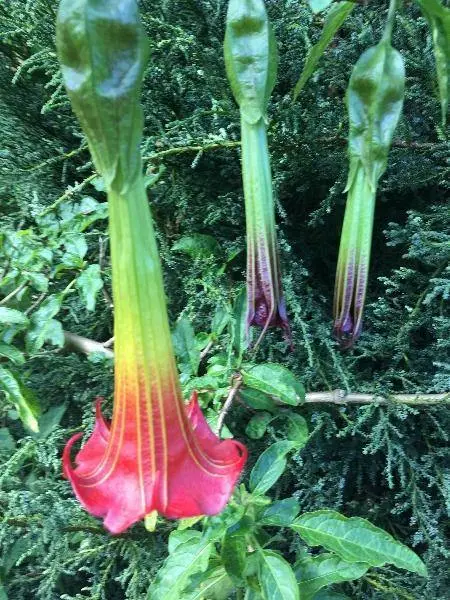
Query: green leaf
[(319, 5), (43, 327), (89, 283), (335, 18), (356, 540), (238, 325), (220, 320), (76, 248), (297, 429), (50, 419), (315, 572), (197, 245), (233, 555), (39, 281), (280, 513), (7, 442), (275, 380), (12, 353), (258, 400), (213, 584), (185, 560), (22, 399), (269, 467), (276, 577), (185, 346), (330, 595), (11, 316), (438, 18), (257, 425)]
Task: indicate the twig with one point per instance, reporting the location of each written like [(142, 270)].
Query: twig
[(67, 194), (108, 343), (35, 304), (340, 397), (84, 345), (206, 349), (13, 293), (185, 149), (228, 402)]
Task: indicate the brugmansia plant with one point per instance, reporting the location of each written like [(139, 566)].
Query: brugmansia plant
[(251, 64), (374, 100), (156, 455)]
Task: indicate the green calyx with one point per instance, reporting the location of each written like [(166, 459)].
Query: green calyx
[(251, 57), (103, 53), (102, 49), (374, 101)]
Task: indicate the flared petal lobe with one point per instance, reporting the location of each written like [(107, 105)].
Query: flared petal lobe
[(122, 478)]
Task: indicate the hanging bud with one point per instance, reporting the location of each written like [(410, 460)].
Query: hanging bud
[(374, 101), (251, 65)]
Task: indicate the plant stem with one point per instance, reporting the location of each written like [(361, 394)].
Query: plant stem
[(387, 34)]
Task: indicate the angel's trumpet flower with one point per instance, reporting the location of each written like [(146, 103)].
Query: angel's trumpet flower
[(157, 454), (374, 101), (251, 63)]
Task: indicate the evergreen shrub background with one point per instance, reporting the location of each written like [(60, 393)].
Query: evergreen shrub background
[(386, 463)]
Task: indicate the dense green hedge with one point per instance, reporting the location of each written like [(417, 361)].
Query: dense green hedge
[(387, 463)]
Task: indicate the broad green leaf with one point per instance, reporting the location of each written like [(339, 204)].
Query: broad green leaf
[(330, 595), (238, 325), (12, 353), (187, 559), (276, 577), (3, 594), (213, 584), (319, 5), (197, 245), (269, 467), (356, 540), (43, 327), (335, 18), (297, 429), (76, 248), (258, 400), (7, 442), (185, 346), (280, 513), (275, 380), (50, 419), (316, 572), (11, 316), (39, 281), (22, 399), (438, 18), (180, 536), (233, 555), (89, 283), (220, 320), (257, 425), (251, 594)]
